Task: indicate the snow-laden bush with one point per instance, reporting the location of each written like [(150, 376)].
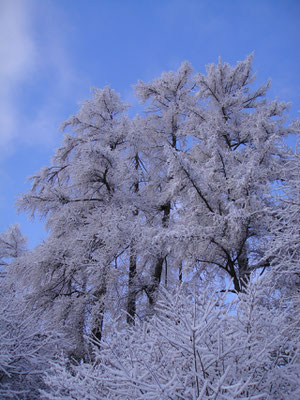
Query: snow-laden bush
[(26, 345), (197, 346), (24, 348)]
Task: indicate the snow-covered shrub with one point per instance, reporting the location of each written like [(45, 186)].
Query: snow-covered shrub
[(197, 346), (24, 348)]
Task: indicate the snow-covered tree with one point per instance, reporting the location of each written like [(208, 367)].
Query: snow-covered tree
[(218, 143), (180, 193), (25, 349), (150, 219), (12, 245), (85, 195), (25, 344), (283, 246)]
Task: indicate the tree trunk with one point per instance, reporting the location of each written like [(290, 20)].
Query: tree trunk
[(131, 299), (232, 272), (180, 273), (244, 273), (97, 323), (153, 288), (132, 290), (156, 277)]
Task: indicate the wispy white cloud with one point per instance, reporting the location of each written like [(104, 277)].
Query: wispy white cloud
[(17, 54), (34, 57)]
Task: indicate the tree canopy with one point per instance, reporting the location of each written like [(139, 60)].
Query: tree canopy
[(153, 221)]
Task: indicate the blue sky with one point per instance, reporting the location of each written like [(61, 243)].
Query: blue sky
[(54, 51)]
